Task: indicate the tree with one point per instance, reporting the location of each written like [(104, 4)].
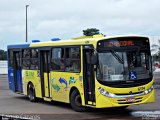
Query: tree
[(91, 32), (3, 55)]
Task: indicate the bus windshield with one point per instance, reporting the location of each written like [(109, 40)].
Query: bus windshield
[(124, 59), (127, 65)]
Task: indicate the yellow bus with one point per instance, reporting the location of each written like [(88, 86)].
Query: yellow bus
[(95, 71)]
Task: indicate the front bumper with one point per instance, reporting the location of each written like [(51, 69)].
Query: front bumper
[(105, 102)]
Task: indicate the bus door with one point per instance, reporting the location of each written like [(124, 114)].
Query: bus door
[(89, 82), (17, 71), (44, 69)]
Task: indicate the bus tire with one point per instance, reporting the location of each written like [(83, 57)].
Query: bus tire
[(123, 107), (76, 102), (31, 93), (120, 108)]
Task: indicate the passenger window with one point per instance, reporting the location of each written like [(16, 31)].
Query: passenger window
[(72, 59), (11, 58), (25, 64), (58, 53), (26, 59), (18, 61), (26, 53), (57, 61), (34, 64), (75, 53), (72, 65), (34, 61), (66, 59), (34, 53)]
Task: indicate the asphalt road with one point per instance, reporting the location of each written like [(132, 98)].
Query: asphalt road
[(20, 106)]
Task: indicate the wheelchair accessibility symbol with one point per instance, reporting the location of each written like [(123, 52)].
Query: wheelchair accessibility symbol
[(133, 75)]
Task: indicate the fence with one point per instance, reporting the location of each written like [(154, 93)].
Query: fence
[(3, 67)]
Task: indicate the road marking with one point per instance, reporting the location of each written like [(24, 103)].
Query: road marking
[(147, 114)]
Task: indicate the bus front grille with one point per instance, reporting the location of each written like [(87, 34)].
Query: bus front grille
[(124, 101)]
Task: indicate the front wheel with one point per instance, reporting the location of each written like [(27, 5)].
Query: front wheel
[(31, 93), (76, 102), (123, 107)]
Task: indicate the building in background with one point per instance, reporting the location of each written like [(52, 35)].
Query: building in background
[(3, 67), (155, 44), (155, 50)]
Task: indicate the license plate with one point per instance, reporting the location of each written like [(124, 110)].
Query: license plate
[(130, 99)]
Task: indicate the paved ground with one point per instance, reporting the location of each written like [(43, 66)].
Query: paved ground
[(157, 79), (13, 104)]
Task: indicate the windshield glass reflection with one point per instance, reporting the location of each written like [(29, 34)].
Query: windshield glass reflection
[(120, 66)]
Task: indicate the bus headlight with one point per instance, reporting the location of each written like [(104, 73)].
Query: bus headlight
[(149, 90), (105, 93)]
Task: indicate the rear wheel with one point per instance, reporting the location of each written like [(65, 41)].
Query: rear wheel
[(76, 102), (31, 93)]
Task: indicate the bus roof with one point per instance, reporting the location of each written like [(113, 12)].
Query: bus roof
[(64, 42), (17, 46), (75, 41)]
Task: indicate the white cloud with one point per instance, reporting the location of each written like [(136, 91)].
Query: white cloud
[(67, 18)]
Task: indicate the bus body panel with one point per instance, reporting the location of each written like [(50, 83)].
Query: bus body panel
[(33, 77), (104, 101), (46, 83), (19, 81), (15, 80), (11, 79), (61, 84), (124, 90)]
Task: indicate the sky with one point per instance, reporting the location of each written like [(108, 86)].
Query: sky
[(66, 19)]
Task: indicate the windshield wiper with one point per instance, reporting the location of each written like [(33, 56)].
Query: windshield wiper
[(117, 57)]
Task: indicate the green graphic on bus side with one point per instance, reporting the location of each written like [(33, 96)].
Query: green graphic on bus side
[(72, 80), (29, 74), (55, 86)]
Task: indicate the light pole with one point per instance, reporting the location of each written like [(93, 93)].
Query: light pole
[(26, 24)]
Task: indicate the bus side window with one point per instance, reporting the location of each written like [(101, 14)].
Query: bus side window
[(18, 61), (75, 53), (25, 64), (73, 59), (11, 58), (26, 59), (34, 59), (57, 59), (26, 53), (34, 53)]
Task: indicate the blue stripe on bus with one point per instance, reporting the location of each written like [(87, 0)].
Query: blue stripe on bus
[(19, 81), (15, 81), (11, 79), (18, 46)]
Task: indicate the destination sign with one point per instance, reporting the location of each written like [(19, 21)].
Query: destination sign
[(118, 43), (123, 42)]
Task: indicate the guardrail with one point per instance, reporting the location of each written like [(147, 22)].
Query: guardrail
[(3, 67)]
